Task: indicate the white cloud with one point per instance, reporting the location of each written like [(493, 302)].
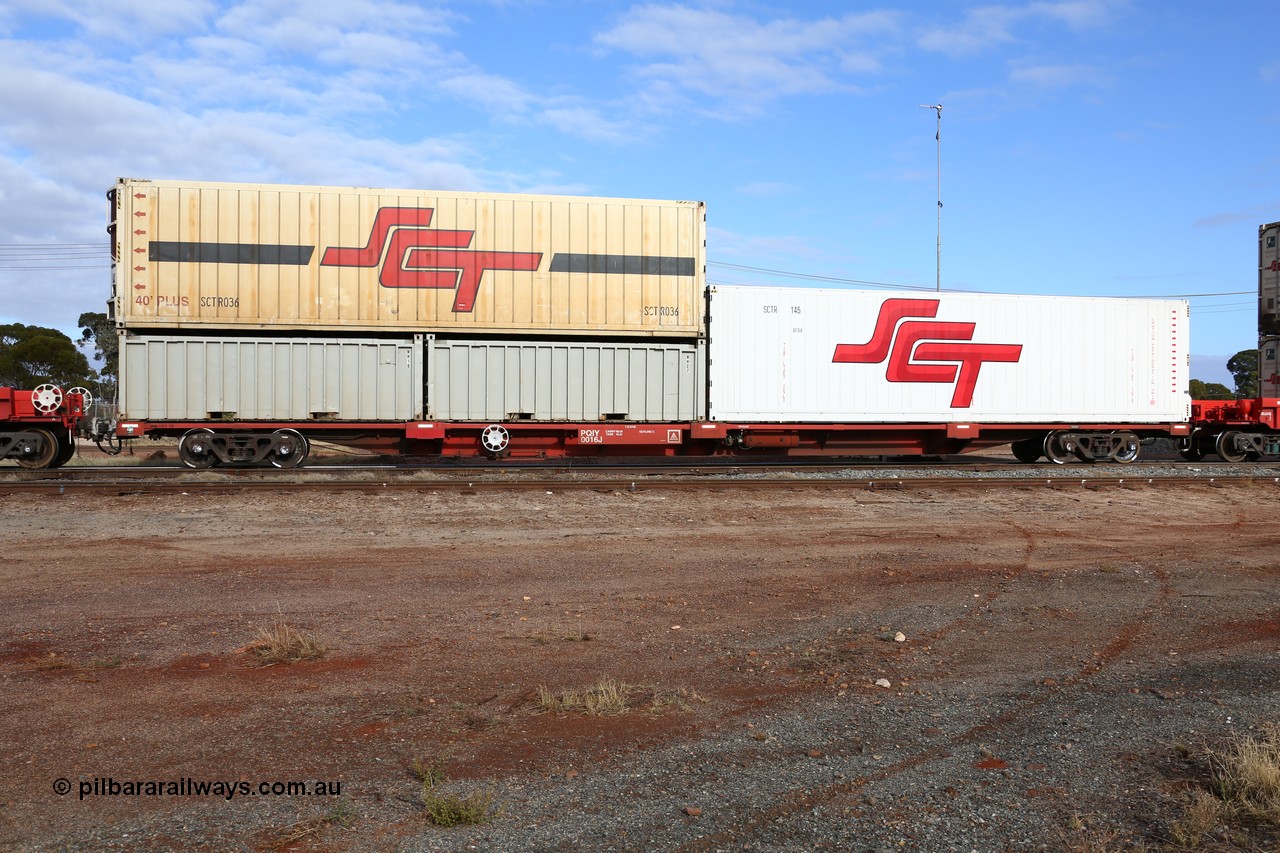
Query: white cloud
[(1252, 215), (741, 62), (498, 94), (767, 188), (981, 29), (988, 27), (1056, 76), (126, 20), (1080, 14), (585, 123)]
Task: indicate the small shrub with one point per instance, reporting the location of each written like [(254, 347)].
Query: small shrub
[(446, 809), (282, 643), (429, 774)]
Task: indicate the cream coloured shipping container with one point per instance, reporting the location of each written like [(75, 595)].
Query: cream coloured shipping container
[(270, 379), (205, 256), (1269, 280), (503, 380), (793, 354)]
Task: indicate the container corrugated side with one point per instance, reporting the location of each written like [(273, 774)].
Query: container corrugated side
[(1269, 367), (793, 354), (270, 379), (247, 256), (1269, 280), (482, 379)]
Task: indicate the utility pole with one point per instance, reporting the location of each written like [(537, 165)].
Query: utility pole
[(938, 137)]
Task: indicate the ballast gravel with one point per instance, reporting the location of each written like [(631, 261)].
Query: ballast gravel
[(1055, 661)]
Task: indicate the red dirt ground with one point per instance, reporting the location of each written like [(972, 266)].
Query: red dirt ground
[(121, 642)]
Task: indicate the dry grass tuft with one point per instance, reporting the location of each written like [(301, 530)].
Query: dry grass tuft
[(1246, 777), (283, 839), (1201, 816), (608, 697), (53, 662), (283, 644), (1241, 791), (1084, 834)]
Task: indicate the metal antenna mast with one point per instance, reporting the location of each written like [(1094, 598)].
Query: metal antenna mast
[(938, 137)]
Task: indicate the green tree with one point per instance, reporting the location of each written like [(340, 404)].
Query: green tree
[(33, 355), (1209, 391), (1244, 369), (97, 329)]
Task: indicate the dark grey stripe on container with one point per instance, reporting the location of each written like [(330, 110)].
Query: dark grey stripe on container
[(230, 253), (625, 264)]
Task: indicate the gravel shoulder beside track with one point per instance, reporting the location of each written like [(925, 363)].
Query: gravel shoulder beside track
[(1059, 649)]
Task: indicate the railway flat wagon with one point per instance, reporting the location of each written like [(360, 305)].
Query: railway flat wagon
[(254, 399), (251, 257), (256, 318), (37, 427)]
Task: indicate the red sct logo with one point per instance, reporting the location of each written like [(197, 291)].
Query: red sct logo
[(411, 255), (926, 351)]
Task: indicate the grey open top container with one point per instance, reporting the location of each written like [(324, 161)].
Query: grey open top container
[(483, 379), (270, 379), (178, 378)]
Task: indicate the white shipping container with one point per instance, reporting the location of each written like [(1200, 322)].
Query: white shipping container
[(1269, 279), (1269, 367), (793, 354)]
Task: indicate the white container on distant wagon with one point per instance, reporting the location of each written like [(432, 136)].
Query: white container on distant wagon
[(1269, 280), (323, 259), (1269, 367), (793, 354)]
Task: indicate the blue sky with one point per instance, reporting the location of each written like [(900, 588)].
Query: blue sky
[(1088, 148)]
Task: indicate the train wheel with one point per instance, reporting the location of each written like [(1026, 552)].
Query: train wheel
[(1191, 448), (1130, 449), (290, 450), (195, 450), (66, 450), (1057, 448), (1027, 451), (45, 456), (1226, 448), (495, 439)]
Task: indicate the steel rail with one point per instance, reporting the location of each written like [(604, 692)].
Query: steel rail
[(167, 486)]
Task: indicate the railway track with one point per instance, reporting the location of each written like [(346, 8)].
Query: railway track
[(631, 477)]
